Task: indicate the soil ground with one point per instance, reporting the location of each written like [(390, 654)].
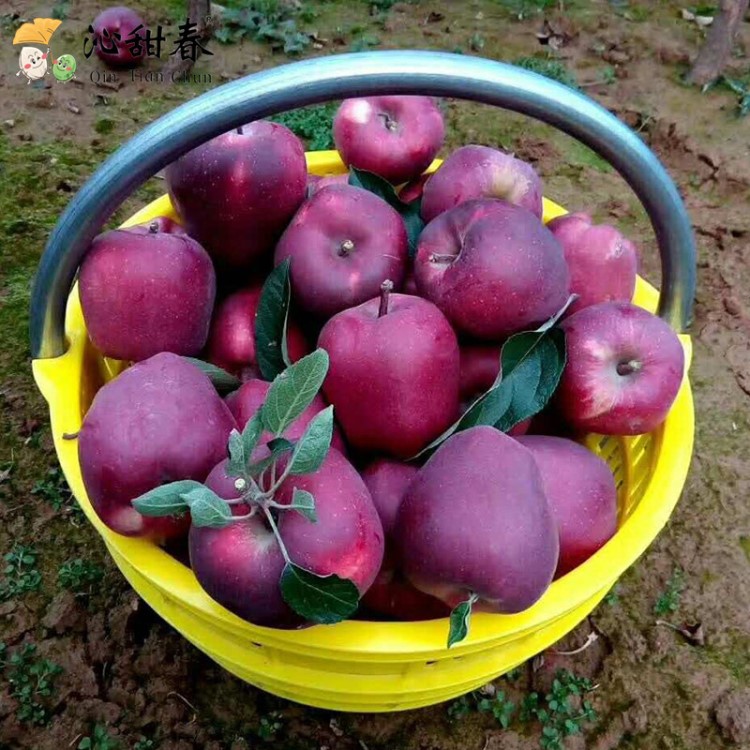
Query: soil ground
[(127, 677)]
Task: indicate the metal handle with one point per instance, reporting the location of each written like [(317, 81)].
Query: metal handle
[(340, 76)]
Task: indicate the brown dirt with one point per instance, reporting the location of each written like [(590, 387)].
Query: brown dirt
[(126, 670)]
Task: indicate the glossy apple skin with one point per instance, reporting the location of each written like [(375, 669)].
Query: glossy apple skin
[(480, 366), (476, 519), (315, 182), (231, 339), (602, 262), (593, 396), (240, 565), (473, 172), (581, 492), (249, 397), (120, 21), (396, 137), (492, 268), (237, 193), (147, 293), (393, 379), (327, 273), (391, 595), (141, 432)]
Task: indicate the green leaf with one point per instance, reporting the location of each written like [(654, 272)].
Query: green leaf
[(271, 322), (320, 599), (313, 446), (278, 448), (166, 500), (304, 503), (237, 465), (223, 381), (411, 213), (459, 621), (293, 391), (251, 435), (207, 508)]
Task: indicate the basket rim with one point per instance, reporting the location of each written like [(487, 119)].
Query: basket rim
[(59, 381)]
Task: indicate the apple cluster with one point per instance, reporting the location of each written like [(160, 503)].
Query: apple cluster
[(410, 357)]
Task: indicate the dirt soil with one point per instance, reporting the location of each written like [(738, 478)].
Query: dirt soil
[(128, 680)]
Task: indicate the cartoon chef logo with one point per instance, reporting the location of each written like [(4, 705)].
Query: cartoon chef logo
[(33, 61)]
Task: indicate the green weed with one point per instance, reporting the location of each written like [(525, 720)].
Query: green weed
[(145, 744), (270, 726), (364, 42), (54, 489), (669, 601), (79, 575), (312, 124), (522, 9), (741, 88), (21, 574), (99, 739), (548, 67), (613, 596), (499, 706), (31, 681), (267, 21)]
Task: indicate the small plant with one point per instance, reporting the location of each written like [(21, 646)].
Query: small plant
[(742, 90), (78, 575), (269, 726), (522, 9), (499, 706), (54, 489), (313, 124), (30, 682), (145, 744), (364, 42), (21, 574), (613, 596), (548, 67), (60, 10), (669, 601), (99, 740), (264, 21), (476, 43), (459, 708)]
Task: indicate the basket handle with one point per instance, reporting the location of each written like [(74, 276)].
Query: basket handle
[(339, 76)]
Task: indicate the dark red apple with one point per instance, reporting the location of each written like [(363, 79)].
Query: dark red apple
[(240, 565), (315, 182), (581, 492), (492, 268), (237, 193), (114, 40), (231, 339), (145, 293), (602, 262), (343, 244), (396, 137), (473, 172), (393, 375), (623, 372), (159, 421), (480, 366), (414, 189), (476, 520)]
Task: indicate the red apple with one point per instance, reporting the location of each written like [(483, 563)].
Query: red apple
[(145, 293), (480, 366), (159, 421), (581, 491), (236, 193), (624, 369), (343, 243), (231, 339), (396, 137), (476, 520), (602, 262), (114, 41), (474, 172), (315, 182), (393, 374), (240, 565), (492, 268), (414, 189)]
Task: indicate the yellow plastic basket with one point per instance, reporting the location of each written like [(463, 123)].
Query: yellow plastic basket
[(358, 665)]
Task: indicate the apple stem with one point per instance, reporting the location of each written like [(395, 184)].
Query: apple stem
[(389, 122), (438, 258), (628, 367), (153, 227), (346, 248), (385, 292), (272, 523), (239, 130)]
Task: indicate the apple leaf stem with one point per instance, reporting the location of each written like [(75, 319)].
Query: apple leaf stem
[(275, 529), (385, 292)]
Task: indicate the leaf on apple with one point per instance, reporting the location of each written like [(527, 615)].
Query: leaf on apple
[(313, 446), (293, 391), (320, 599), (304, 503), (271, 322), (207, 508), (411, 213), (458, 622), (223, 381), (165, 500), (237, 465), (278, 447), (251, 435), (532, 364)]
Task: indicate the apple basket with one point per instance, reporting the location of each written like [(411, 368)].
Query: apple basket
[(358, 665)]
